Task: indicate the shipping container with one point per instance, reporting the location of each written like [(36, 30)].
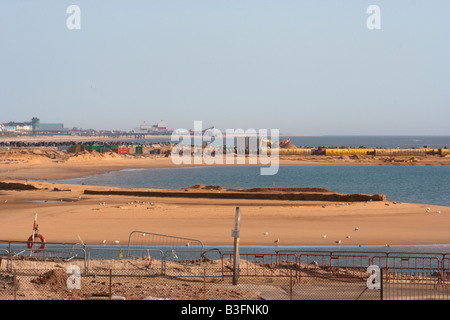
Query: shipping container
[(78, 148), (348, 151), (96, 148), (123, 150)]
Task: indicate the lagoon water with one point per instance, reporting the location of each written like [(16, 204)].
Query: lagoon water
[(414, 184)]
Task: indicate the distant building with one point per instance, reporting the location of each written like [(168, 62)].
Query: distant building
[(159, 128), (58, 127), (32, 127), (17, 127)]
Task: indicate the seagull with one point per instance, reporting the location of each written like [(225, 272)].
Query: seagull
[(4, 201), (438, 211), (265, 233), (356, 229), (104, 242), (339, 241), (324, 236), (348, 237), (277, 241), (428, 209), (117, 241)]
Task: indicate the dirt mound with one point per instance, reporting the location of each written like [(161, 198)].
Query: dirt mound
[(16, 186), (282, 190), (195, 187), (288, 146), (203, 187), (29, 155), (293, 196), (55, 278), (90, 156)]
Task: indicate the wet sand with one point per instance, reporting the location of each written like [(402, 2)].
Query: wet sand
[(81, 216)]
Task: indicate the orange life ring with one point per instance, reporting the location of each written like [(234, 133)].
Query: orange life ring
[(30, 242)]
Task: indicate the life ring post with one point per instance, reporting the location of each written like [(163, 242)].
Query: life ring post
[(35, 234)]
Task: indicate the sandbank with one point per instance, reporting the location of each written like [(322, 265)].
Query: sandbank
[(80, 216)]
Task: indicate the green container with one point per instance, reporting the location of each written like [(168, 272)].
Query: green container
[(111, 146), (139, 150)]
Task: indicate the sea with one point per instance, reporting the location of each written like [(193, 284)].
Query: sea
[(381, 141)]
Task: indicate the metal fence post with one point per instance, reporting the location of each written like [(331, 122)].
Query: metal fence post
[(235, 234), (381, 284)]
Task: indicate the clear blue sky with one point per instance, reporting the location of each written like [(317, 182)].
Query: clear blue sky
[(301, 66)]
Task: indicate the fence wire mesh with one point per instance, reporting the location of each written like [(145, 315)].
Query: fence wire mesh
[(128, 273)]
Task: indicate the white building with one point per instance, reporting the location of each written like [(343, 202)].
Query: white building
[(160, 127)]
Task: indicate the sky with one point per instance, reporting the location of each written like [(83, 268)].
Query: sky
[(300, 66)]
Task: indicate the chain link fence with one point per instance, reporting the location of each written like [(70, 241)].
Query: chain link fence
[(185, 274)]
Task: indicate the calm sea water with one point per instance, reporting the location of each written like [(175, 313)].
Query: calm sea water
[(359, 141), (93, 252), (415, 184)]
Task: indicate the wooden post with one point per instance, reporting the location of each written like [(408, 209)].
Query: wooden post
[(235, 235)]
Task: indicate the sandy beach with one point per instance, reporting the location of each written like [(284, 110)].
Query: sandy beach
[(70, 215)]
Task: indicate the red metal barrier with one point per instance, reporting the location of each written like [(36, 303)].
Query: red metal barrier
[(262, 265), (445, 272), (408, 267), (334, 266)]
